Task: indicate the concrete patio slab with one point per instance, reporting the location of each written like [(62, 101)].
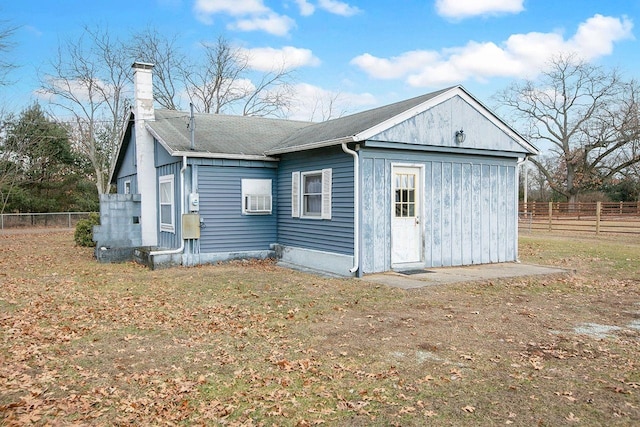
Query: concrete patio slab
[(473, 273)]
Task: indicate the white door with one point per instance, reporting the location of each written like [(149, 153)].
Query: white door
[(406, 230)]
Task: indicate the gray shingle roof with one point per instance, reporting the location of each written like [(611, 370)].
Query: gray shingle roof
[(241, 135), (353, 124), (216, 133)]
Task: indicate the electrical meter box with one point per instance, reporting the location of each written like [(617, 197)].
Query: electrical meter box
[(194, 202)]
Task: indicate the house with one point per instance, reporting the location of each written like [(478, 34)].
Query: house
[(431, 181)]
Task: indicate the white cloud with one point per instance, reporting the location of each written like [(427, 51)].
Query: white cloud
[(459, 9), (338, 7), (76, 87), (271, 23), (306, 8), (521, 55), (250, 15), (230, 7), (269, 59), (597, 35), (313, 103), (397, 66)]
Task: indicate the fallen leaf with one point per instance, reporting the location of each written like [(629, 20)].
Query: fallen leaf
[(572, 418)]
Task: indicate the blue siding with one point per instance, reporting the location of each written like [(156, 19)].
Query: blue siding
[(167, 239), (127, 170), (131, 178), (470, 211), (335, 235), (162, 156), (226, 228)]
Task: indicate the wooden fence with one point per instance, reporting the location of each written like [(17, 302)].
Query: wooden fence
[(597, 217)]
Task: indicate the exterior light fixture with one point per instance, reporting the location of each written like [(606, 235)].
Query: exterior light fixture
[(460, 136)]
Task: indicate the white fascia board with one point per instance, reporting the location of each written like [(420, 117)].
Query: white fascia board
[(208, 155), (455, 91), (311, 146), (159, 139)]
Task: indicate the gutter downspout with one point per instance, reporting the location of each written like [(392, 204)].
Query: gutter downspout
[(356, 207), (181, 248), (192, 128), (526, 157), (518, 164)]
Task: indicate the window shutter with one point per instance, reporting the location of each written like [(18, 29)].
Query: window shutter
[(295, 194), (326, 193)]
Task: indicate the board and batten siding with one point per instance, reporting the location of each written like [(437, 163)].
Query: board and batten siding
[(334, 235), (168, 239), (436, 127), (226, 228), (127, 170), (469, 208), (133, 179)]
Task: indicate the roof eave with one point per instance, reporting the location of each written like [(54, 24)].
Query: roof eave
[(209, 155), (311, 146), (125, 126), (159, 138)]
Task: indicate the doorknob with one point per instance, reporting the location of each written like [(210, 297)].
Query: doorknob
[(417, 220)]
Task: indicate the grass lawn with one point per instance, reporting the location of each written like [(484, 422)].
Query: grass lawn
[(249, 343)]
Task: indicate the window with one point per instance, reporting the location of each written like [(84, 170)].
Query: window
[(405, 203), (256, 196), (311, 194), (167, 207), (127, 187)]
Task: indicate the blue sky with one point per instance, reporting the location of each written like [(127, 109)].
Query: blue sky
[(369, 52)]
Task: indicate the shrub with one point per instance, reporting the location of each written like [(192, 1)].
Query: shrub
[(84, 230)]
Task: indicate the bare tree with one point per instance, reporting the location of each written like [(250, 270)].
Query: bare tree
[(169, 63), (215, 83), (223, 83), (327, 107), (586, 114), (271, 96), (88, 80), (6, 33)]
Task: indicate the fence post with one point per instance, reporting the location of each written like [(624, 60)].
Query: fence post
[(598, 209), (550, 214)]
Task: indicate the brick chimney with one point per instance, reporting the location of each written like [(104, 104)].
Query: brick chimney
[(145, 165)]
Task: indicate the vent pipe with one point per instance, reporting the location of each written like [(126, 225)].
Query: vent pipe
[(192, 127)]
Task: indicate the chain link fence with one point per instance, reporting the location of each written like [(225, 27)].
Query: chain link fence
[(12, 221)]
